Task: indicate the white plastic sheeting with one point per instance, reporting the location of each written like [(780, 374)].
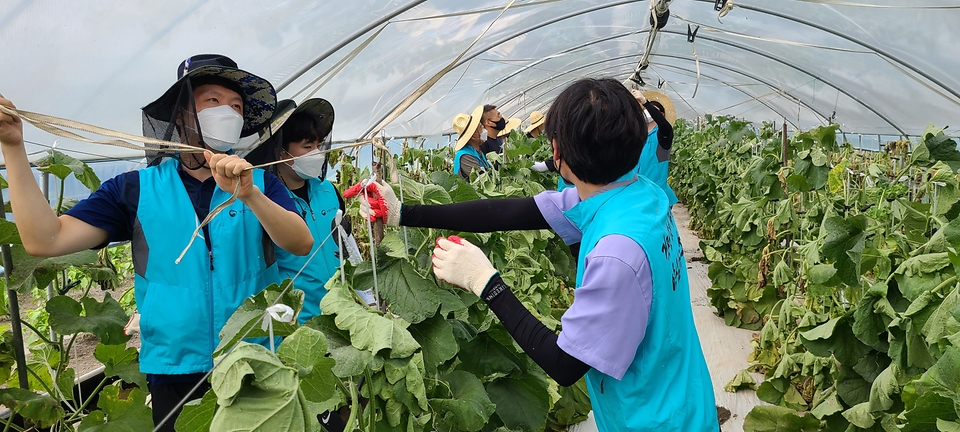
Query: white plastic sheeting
[(889, 67)]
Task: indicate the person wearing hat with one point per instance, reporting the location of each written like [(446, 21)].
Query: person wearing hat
[(494, 124), (303, 132), (630, 330), (470, 138), (536, 125), (660, 116), (182, 305), (512, 123)]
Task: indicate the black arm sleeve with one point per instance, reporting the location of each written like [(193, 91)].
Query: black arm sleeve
[(664, 129), (485, 215), (535, 338)]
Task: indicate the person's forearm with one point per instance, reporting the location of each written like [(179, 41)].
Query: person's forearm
[(488, 215), (37, 223), (535, 338), (284, 227)]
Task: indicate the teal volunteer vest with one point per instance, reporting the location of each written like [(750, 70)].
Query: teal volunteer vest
[(667, 387), (469, 150), (183, 306), (655, 163), (319, 214)]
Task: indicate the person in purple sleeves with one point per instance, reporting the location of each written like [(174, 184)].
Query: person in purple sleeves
[(630, 330)]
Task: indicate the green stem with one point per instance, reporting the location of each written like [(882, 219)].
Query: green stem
[(96, 391), (371, 404), (38, 332), (40, 380), (354, 408), (60, 198)]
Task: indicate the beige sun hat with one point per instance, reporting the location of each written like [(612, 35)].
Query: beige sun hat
[(512, 124), (465, 125), (536, 119), (669, 112)]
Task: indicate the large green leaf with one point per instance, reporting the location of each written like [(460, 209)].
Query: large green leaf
[(61, 166), (350, 361), (9, 233), (413, 297), (41, 410), (120, 361), (522, 401), (255, 391), (468, 408), (307, 349), (887, 384), (922, 414), (435, 336), (104, 319), (248, 318), (197, 415), (368, 330), (844, 244), (128, 413), (778, 419), (30, 271), (485, 356)]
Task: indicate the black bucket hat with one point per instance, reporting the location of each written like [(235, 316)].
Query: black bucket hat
[(270, 135), (316, 107), (259, 96)]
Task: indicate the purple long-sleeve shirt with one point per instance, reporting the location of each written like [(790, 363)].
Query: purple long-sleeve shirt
[(611, 307)]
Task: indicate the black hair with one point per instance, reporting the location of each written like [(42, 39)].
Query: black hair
[(658, 106), (597, 125), (302, 126)]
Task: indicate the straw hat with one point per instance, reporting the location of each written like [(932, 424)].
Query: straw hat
[(669, 112), (465, 125), (536, 119), (512, 124)]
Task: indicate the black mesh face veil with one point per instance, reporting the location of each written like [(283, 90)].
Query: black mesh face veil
[(182, 127)]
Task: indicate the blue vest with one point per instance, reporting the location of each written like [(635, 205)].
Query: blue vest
[(469, 150), (654, 164), (319, 214), (183, 306), (667, 387)]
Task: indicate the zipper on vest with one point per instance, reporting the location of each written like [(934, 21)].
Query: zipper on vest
[(211, 259), (601, 385)]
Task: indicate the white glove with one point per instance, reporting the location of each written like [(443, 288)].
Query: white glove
[(463, 264), (387, 199), (539, 166)]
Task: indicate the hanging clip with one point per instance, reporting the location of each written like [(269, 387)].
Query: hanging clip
[(719, 5), (692, 33), (638, 80)]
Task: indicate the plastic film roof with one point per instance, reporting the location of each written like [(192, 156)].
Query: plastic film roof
[(886, 68)]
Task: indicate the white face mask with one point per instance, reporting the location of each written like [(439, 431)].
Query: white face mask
[(221, 127), (483, 134), (310, 165)]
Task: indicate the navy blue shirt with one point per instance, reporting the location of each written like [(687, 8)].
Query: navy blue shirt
[(113, 207), (491, 145)]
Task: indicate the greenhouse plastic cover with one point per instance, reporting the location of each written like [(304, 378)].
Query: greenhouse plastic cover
[(884, 68)]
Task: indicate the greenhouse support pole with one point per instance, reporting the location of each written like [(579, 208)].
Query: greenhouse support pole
[(13, 303), (45, 187)]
